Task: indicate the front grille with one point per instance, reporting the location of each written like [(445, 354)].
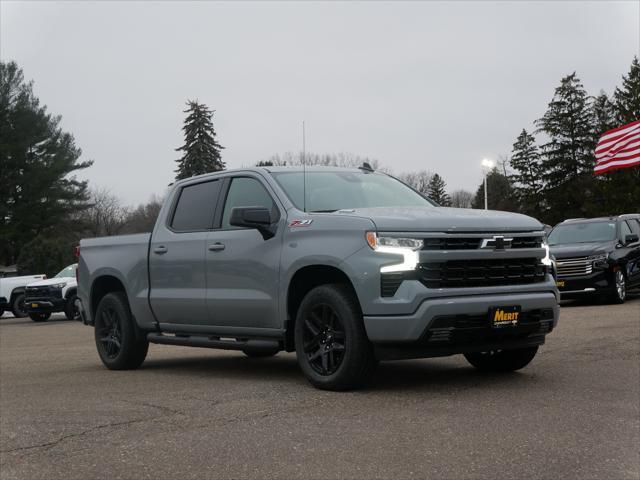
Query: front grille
[(479, 273), (473, 243), (575, 266), (42, 292), (463, 329)]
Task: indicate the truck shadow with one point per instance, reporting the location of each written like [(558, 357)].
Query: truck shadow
[(417, 375)]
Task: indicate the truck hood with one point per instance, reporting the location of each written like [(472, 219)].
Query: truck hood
[(444, 219), (24, 278), (54, 281), (569, 250)]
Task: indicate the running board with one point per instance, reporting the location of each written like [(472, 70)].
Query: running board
[(224, 343)]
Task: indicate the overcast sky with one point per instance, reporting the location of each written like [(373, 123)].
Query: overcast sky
[(415, 85)]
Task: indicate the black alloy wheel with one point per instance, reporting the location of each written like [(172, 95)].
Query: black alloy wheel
[(331, 343), (121, 344), (323, 336), (109, 333)]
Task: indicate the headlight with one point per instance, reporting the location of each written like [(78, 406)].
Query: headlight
[(59, 285), (547, 257), (407, 247), (600, 261)]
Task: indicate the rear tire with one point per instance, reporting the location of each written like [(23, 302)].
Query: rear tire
[(18, 307), (39, 317), (332, 347), (121, 345), (70, 309), (1, 312), (502, 360)]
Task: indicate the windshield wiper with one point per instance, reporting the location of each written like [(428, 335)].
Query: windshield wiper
[(324, 211)]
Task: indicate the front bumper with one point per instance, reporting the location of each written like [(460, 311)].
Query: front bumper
[(443, 326), (600, 281), (44, 305)]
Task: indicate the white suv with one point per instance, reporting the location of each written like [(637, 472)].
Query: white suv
[(12, 293)]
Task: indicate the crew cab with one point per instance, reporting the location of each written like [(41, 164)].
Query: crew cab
[(597, 256), (57, 294), (346, 267), (12, 293)]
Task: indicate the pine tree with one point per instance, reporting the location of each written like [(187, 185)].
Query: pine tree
[(568, 158), (499, 192), (525, 160), (604, 114), (436, 190), (627, 97), (621, 188), (201, 150), (38, 192)]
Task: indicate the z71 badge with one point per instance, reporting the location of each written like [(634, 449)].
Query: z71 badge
[(300, 223)]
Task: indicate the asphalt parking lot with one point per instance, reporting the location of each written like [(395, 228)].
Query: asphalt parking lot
[(197, 413)]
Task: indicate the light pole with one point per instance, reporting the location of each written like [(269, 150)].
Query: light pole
[(488, 166)]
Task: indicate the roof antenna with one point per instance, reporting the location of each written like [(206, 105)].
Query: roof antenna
[(366, 167), (304, 171)]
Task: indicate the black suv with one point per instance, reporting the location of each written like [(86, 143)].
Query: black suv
[(597, 256)]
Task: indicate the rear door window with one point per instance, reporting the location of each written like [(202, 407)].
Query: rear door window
[(195, 208)]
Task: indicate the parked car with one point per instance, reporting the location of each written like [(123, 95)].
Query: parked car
[(57, 294), (345, 267), (12, 293), (597, 256)]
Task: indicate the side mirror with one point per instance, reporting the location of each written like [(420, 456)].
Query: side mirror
[(253, 217), (633, 238)]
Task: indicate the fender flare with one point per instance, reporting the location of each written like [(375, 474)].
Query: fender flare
[(16, 291)]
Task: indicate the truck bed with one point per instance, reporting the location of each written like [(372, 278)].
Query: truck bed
[(124, 257)]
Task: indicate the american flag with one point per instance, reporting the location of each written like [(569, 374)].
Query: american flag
[(618, 148)]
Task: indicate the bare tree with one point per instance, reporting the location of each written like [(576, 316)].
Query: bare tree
[(106, 215), (461, 199), (325, 159), (417, 180), (143, 218)]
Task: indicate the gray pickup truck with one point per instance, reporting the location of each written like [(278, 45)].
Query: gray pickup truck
[(346, 267)]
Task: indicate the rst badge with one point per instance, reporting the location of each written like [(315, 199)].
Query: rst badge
[(300, 223)]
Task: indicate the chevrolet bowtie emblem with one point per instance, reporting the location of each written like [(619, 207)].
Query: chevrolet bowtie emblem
[(498, 242)]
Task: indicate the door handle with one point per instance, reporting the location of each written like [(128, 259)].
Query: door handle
[(216, 247), (160, 250)]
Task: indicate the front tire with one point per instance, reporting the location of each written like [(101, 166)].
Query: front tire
[(71, 311), (39, 317), (619, 293), (120, 345), (18, 308), (332, 347), (502, 360)]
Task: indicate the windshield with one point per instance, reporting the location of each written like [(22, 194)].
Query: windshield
[(583, 233), (330, 191), (69, 271)]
